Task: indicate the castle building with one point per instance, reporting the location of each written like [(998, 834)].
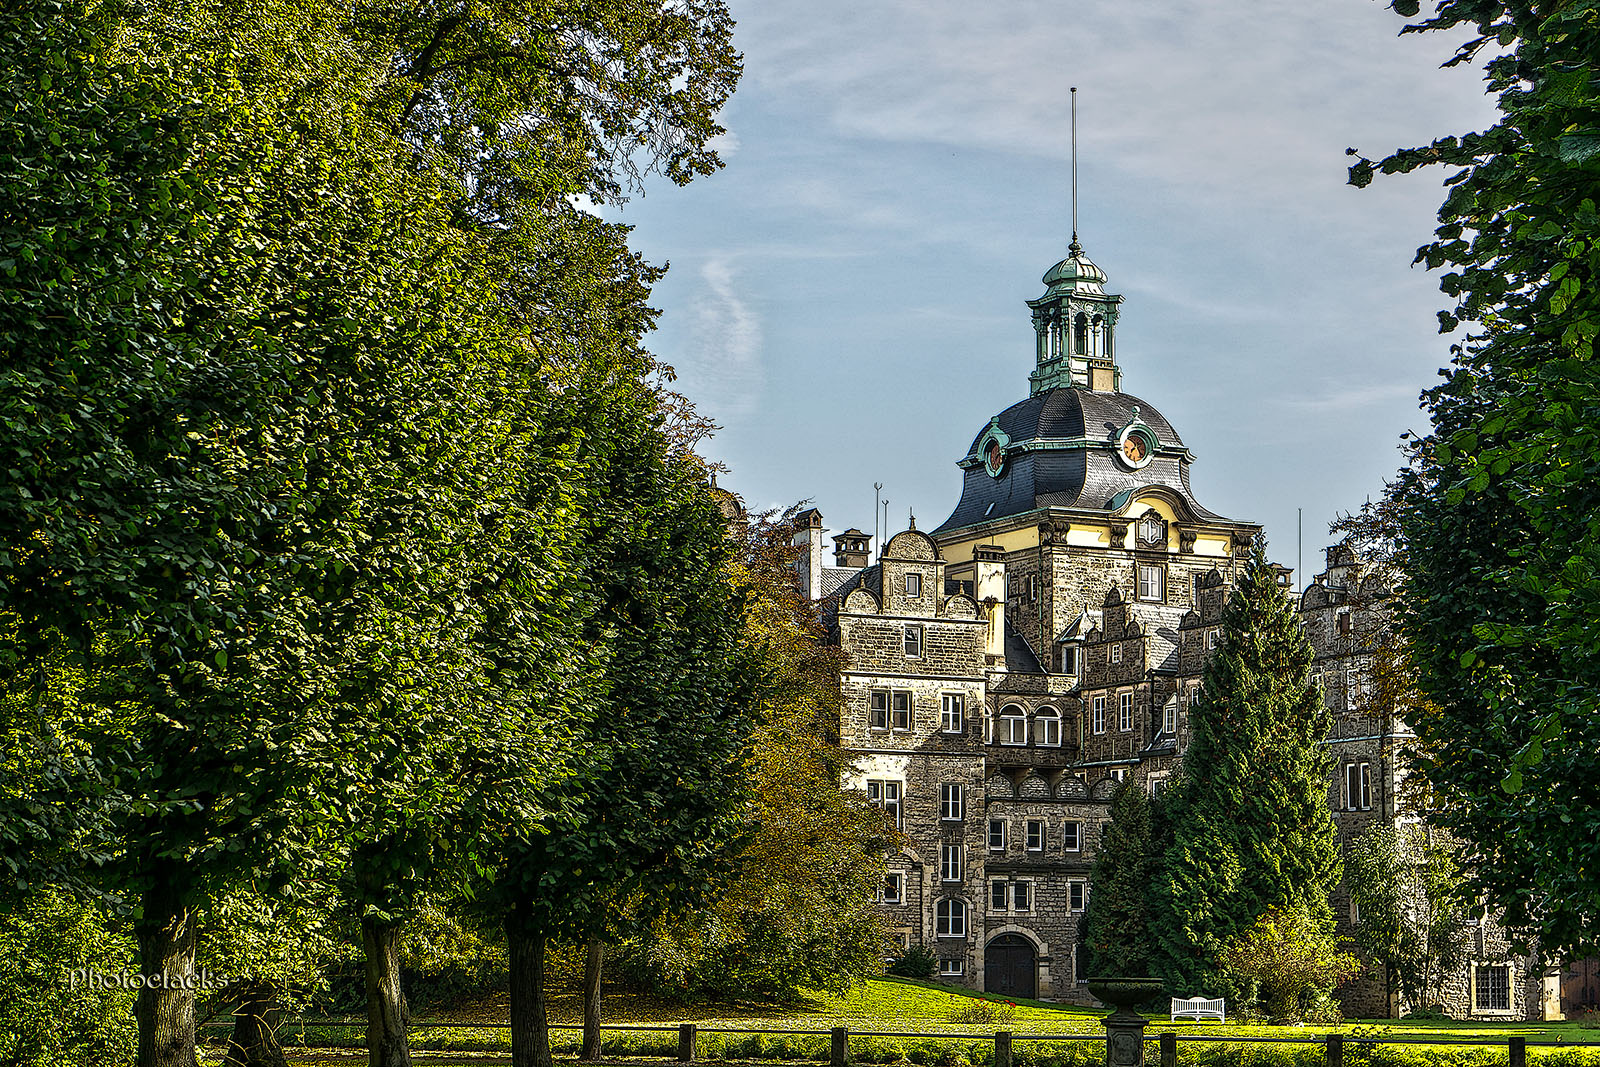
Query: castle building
[(1008, 670)]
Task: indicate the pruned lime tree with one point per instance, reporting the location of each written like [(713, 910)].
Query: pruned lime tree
[(1494, 518)]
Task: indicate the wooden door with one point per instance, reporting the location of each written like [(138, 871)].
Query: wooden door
[(1010, 967)]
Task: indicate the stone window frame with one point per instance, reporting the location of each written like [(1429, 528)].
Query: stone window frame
[(878, 795), (1152, 529), (1509, 968), (1003, 896), (1116, 653), (950, 918), (913, 641), (1150, 583), (1044, 718), (1077, 895), (1069, 652), (1357, 785), (913, 585), (1213, 640), (1036, 832), (952, 798), (1008, 731), (952, 708), (897, 879), (1169, 716), (877, 716), (1097, 714), (1000, 825), (1079, 972), (902, 704), (1124, 712), (952, 968), (1072, 840), (952, 861)]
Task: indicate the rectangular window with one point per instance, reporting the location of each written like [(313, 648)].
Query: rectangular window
[(893, 882), (1194, 581), (879, 719), (952, 713), (1119, 774), (1124, 712), (1035, 835), (1069, 659), (1022, 896), (1097, 715), (1152, 582), (1491, 987), (1116, 653), (998, 895), (950, 918), (1214, 638), (1169, 717), (886, 795), (1358, 787), (1047, 729), (952, 968), (1344, 623), (1033, 587), (1013, 727), (951, 807), (1079, 974), (913, 585), (1077, 893), (901, 718), (913, 642), (950, 865), (1072, 836), (997, 835)]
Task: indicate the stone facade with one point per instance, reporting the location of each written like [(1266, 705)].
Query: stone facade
[(1008, 671)]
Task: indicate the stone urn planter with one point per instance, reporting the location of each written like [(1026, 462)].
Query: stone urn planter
[(1124, 1027)]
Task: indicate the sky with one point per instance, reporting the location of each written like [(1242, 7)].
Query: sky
[(846, 297)]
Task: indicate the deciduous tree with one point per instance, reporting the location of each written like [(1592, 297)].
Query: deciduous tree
[(1496, 529)]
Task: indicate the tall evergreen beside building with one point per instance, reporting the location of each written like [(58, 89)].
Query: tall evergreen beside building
[(1250, 823), (1127, 863)]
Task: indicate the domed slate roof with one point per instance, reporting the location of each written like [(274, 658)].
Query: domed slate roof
[(1062, 451)]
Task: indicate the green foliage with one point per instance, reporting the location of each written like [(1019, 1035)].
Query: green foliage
[(1496, 517), (1293, 957), (45, 1019), (1249, 811), (1119, 937), (797, 913), (1405, 886), (918, 961)]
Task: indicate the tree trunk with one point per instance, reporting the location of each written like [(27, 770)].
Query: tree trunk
[(591, 1000), (387, 1014), (164, 1007), (530, 1025), (255, 1029)]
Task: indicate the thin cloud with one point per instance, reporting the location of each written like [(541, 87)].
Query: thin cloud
[(721, 368)]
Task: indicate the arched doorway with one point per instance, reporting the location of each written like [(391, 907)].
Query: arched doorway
[(1010, 967)]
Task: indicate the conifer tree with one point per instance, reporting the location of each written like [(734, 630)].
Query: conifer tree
[(1249, 810), (1126, 863)]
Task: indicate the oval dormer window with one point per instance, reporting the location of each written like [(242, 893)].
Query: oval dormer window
[(992, 449)]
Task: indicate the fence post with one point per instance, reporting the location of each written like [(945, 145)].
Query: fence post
[(686, 1039), (841, 1048), (1169, 1050), (1002, 1048), (1335, 1050), (1517, 1050)]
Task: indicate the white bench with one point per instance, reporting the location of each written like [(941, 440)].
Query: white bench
[(1197, 1007)]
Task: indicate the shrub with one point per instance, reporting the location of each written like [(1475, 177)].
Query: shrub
[(985, 1011), (918, 962)]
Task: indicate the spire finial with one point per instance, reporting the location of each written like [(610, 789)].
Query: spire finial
[(1075, 248)]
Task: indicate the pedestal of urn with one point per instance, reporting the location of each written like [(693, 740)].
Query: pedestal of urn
[(1124, 1027)]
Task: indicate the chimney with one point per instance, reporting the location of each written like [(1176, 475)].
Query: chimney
[(991, 594), (808, 537), (850, 549)]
